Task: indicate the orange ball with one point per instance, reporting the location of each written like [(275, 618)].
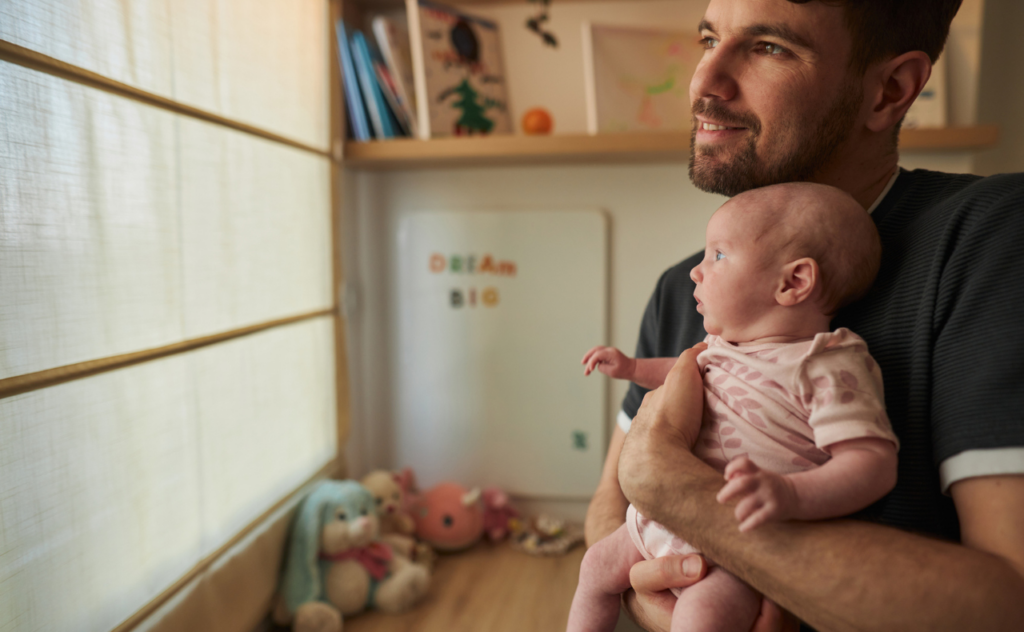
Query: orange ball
[(537, 121)]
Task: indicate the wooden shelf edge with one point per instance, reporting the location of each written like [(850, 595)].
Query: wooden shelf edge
[(950, 138), (407, 153)]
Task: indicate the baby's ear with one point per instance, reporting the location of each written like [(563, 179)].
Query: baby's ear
[(800, 279)]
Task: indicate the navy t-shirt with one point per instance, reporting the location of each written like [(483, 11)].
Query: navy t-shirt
[(944, 320)]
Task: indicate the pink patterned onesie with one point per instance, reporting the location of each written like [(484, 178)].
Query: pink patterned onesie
[(782, 405)]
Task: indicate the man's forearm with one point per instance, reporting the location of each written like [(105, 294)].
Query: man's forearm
[(606, 513), (607, 510), (836, 575)]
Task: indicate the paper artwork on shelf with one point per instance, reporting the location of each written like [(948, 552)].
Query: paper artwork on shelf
[(929, 109), (463, 74), (638, 79)]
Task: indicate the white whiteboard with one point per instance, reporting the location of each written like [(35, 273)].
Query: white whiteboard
[(494, 311)]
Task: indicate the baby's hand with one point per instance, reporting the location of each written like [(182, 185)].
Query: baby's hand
[(763, 496), (610, 361)]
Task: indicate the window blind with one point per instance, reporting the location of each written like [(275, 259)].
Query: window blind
[(165, 195)]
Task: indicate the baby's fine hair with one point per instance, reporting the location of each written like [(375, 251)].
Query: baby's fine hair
[(825, 224)]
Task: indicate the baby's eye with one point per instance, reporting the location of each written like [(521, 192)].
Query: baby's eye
[(719, 256), (342, 515), (365, 511)]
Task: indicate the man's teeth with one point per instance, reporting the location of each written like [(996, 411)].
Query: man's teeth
[(714, 128)]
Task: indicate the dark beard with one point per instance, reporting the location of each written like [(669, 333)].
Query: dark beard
[(748, 171)]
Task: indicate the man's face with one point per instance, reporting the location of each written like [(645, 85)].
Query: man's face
[(773, 98)]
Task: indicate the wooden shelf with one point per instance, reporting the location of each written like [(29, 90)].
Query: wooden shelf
[(603, 148)]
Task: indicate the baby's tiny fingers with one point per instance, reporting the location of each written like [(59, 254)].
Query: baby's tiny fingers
[(740, 465), (747, 507), (737, 488), (766, 513)]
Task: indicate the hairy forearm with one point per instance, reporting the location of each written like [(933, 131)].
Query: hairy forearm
[(836, 575), (607, 510), (606, 513)]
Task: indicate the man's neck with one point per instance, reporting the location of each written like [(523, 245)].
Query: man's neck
[(862, 167)]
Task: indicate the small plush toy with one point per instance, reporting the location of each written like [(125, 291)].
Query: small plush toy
[(336, 566), (397, 527), (387, 492), (449, 517), (498, 513)]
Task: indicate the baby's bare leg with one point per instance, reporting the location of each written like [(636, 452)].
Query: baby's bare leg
[(718, 603), (604, 575)]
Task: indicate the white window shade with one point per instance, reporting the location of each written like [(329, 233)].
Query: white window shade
[(90, 259), (130, 224), (262, 63), (125, 227), (116, 485), (256, 229)]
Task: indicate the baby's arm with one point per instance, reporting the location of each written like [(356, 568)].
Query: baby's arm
[(646, 372), (860, 472)]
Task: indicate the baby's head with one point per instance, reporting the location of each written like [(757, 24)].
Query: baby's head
[(781, 260)]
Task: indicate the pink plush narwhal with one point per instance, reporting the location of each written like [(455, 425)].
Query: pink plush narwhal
[(449, 517)]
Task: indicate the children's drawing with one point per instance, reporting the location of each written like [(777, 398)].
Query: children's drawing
[(464, 74), (641, 78)]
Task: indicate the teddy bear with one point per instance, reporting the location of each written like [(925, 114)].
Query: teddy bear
[(336, 566)]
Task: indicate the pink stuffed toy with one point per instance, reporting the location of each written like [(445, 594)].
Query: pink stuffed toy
[(449, 517), (497, 513)]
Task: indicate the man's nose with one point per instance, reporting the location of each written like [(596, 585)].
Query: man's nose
[(715, 77)]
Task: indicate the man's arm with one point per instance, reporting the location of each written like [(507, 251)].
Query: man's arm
[(841, 574), (607, 510)]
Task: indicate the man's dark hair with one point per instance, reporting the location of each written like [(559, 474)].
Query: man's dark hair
[(887, 28)]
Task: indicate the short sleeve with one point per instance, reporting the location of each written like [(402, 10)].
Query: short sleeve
[(842, 388), (978, 358), (670, 323)]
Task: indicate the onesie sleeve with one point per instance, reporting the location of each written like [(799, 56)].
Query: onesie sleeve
[(841, 385)]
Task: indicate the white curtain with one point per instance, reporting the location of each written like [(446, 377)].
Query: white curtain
[(125, 227)]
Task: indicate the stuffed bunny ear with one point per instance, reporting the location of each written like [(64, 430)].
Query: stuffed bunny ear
[(301, 582)]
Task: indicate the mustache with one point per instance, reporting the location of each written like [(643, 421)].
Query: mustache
[(714, 110)]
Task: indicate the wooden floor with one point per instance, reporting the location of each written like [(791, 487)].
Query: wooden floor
[(489, 587)]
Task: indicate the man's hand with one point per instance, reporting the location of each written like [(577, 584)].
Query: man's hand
[(763, 496), (650, 603), (667, 423), (610, 361)]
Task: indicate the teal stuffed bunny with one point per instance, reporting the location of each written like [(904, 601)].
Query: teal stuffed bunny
[(336, 566)]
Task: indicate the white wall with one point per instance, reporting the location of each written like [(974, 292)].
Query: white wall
[(656, 216)]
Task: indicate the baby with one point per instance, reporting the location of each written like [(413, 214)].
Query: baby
[(793, 413)]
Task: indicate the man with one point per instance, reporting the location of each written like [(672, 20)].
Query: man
[(814, 90)]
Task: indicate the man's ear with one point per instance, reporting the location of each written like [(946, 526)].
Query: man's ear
[(896, 83), (799, 281)]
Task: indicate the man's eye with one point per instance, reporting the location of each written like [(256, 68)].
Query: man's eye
[(708, 42), (719, 256), (770, 49)]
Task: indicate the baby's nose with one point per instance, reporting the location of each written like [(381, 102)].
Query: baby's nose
[(695, 275)]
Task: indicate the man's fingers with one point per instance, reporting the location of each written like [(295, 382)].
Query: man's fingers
[(662, 573)]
